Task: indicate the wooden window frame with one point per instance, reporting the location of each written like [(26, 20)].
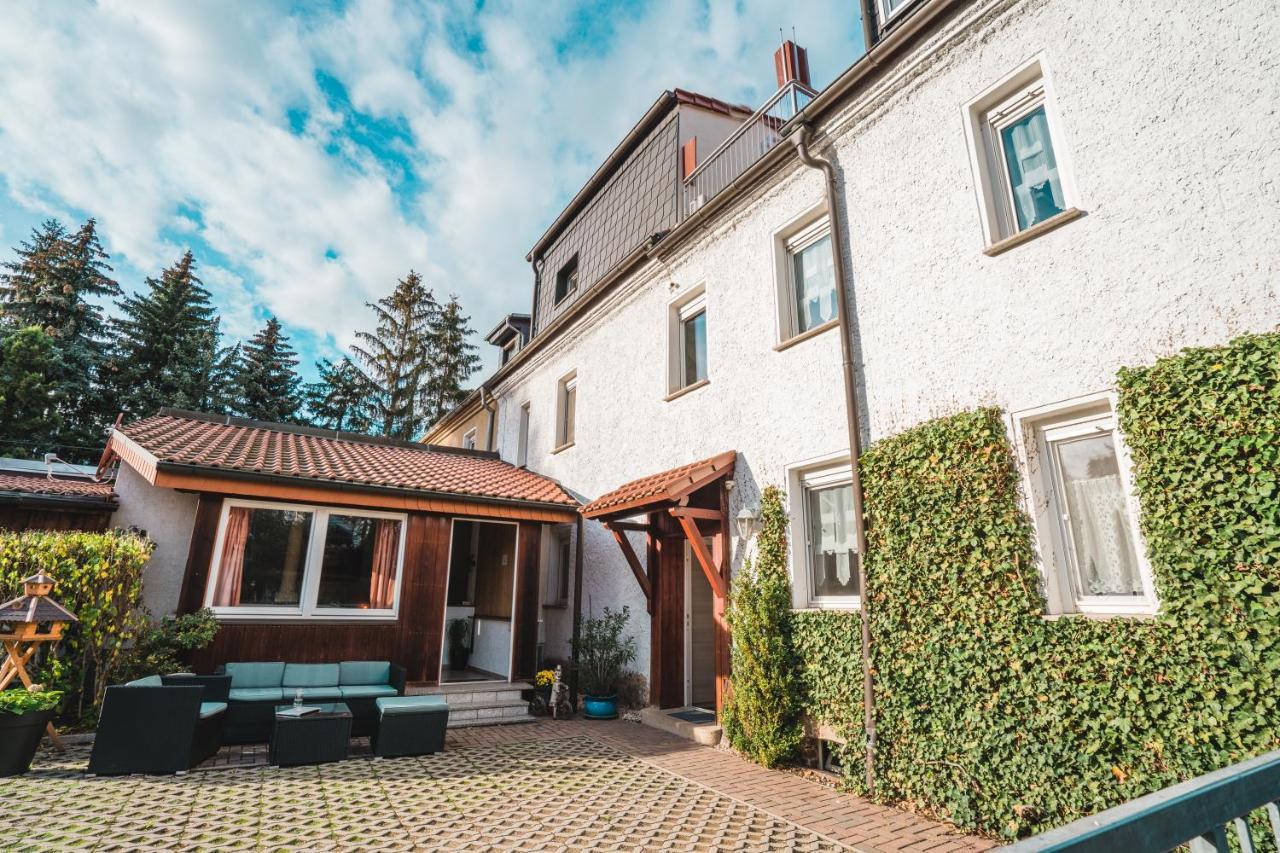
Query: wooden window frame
[(306, 609)]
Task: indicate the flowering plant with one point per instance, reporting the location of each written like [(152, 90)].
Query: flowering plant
[(544, 678)]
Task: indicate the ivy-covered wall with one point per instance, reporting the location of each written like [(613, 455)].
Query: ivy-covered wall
[(1010, 723)]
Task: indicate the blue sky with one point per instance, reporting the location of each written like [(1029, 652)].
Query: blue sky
[(312, 153)]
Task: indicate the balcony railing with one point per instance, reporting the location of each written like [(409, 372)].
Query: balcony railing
[(751, 141), (1200, 813)]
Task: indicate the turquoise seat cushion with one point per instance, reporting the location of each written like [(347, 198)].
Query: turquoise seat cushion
[(396, 705), (366, 691), (147, 681), (355, 672), (311, 694), (310, 675), (256, 694), (255, 674), (211, 709)]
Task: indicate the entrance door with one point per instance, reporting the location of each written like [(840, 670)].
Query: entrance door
[(479, 605), (699, 636)]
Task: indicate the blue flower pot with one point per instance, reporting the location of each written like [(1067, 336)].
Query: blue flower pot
[(600, 707)]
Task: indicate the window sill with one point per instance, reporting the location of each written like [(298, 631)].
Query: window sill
[(562, 448), (804, 336), (1001, 246), (839, 606), (555, 605), (293, 618), (1096, 616), (701, 383)]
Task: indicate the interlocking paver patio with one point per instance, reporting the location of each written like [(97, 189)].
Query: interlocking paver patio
[(554, 785)]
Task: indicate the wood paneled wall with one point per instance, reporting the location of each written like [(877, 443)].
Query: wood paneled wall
[(31, 518), (414, 640)]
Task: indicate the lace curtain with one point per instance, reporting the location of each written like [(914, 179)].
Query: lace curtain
[(1103, 537)]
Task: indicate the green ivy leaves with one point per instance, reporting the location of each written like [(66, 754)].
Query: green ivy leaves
[(1000, 720)]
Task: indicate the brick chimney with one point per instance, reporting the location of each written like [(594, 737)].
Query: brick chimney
[(791, 61)]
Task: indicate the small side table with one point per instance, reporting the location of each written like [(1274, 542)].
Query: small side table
[(314, 738)]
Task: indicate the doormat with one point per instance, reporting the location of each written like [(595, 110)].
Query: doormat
[(694, 715)]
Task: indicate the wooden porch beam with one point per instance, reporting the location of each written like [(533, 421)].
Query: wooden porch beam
[(634, 562), (629, 526), (704, 558), (696, 512)]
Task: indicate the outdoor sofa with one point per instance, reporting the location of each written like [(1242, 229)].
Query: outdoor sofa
[(258, 687), (160, 724)]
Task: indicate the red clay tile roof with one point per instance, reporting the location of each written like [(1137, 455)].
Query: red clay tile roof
[(216, 443), (668, 485), (38, 484)]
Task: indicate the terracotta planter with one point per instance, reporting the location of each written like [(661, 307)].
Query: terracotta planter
[(19, 737)]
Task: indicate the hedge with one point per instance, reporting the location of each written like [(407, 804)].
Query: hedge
[(99, 579), (1006, 722)]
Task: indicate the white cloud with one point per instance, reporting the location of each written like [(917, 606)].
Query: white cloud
[(143, 113)]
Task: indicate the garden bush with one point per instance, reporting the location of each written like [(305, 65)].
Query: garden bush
[(761, 706), (1007, 722), (99, 579)]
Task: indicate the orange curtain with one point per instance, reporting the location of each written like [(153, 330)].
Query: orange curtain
[(231, 568), (382, 583)]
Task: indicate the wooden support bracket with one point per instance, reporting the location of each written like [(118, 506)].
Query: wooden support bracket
[(633, 561), (704, 558)]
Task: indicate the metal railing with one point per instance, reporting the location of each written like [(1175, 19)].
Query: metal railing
[(751, 141), (1200, 813)]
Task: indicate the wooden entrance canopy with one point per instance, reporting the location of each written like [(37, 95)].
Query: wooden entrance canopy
[(684, 504)]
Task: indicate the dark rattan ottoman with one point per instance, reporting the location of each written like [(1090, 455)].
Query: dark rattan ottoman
[(314, 738), (410, 725)]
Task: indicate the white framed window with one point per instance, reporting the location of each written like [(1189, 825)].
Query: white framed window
[(522, 438), (509, 350), (279, 560), (1077, 476), (890, 8), (687, 340), (469, 439), (559, 569), (1019, 156), (824, 559), (566, 410), (567, 279), (806, 276)]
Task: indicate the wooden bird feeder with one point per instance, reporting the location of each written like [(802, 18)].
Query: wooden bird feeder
[(26, 623)]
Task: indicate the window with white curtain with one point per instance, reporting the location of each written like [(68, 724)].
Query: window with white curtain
[(1085, 512), (282, 560), (566, 410), (813, 277), (1019, 156), (825, 559)]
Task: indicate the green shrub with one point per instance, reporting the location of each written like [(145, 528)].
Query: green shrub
[(99, 579), (20, 700), (165, 646), (761, 706), (1007, 722), (603, 651)]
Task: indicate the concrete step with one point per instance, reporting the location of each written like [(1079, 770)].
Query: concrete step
[(707, 734)]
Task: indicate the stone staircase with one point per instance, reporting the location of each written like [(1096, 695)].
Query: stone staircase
[(481, 703)]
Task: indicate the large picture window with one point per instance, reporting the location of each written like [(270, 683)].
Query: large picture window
[(277, 560)]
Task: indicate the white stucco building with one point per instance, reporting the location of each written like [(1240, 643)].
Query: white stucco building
[(1032, 194)]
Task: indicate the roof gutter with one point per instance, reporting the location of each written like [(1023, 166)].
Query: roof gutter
[(346, 486), (58, 502), (800, 139)]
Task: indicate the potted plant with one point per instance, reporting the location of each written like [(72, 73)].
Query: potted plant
[(602, 652), (23, 717), (458, 633)]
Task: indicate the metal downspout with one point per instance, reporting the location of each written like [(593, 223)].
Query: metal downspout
[(491, 419), (801, 141), (579, 546), (868, 23)]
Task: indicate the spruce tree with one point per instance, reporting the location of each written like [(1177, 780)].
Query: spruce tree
[(341, 399), (454, 360), (163, 339), (268, 383), (396, 356), (30, 423), (56, 283)]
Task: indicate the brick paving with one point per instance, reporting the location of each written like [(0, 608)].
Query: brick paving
[(552, 785)]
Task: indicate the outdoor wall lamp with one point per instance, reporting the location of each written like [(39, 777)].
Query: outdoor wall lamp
[(746, 521)]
